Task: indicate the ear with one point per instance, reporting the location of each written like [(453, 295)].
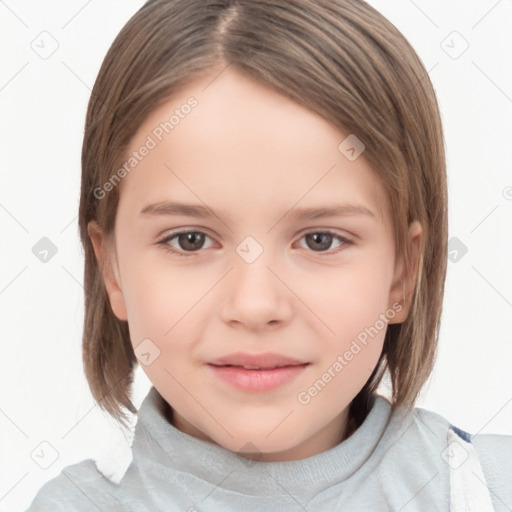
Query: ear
[(105, 255), (401, 291)]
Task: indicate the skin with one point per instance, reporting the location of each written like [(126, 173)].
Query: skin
[(253, 154)]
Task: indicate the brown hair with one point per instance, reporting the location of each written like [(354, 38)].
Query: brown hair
[(339, 58)]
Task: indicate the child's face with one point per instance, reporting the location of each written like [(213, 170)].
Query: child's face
[(252, 282)]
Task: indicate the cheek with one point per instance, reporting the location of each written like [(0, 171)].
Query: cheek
[(160, 304), (354, 306), (348, 357), (161, 299), (349, 299)]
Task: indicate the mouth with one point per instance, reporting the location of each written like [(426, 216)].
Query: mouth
[(257, 373), (259, 368), (264, 361)]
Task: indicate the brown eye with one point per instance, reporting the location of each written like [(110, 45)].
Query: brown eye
[(184, 242), (191, 241), (321, 241)]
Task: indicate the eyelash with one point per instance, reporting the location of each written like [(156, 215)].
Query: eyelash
[(164, 242)]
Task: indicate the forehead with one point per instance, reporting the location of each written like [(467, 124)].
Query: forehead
[(233, 143)]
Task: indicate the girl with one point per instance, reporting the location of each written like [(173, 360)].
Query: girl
[(264, 218)]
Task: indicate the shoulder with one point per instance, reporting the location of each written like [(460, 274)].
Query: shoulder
[(410, 451), (493, 450), (495, 455), (479, 465), (77, 488), (418, 431)]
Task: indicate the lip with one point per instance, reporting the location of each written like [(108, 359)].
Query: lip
[(265, 361), (262, 372)]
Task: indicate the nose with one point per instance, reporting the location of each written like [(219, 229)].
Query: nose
[(256, 297)]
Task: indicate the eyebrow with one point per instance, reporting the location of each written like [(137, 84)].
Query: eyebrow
[(203, 212)]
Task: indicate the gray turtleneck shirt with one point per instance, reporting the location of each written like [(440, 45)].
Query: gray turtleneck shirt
[(402, 461)]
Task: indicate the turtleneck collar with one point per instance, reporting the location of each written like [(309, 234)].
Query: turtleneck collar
[(158, 440)]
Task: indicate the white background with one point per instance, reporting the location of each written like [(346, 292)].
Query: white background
[(43, 102)]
